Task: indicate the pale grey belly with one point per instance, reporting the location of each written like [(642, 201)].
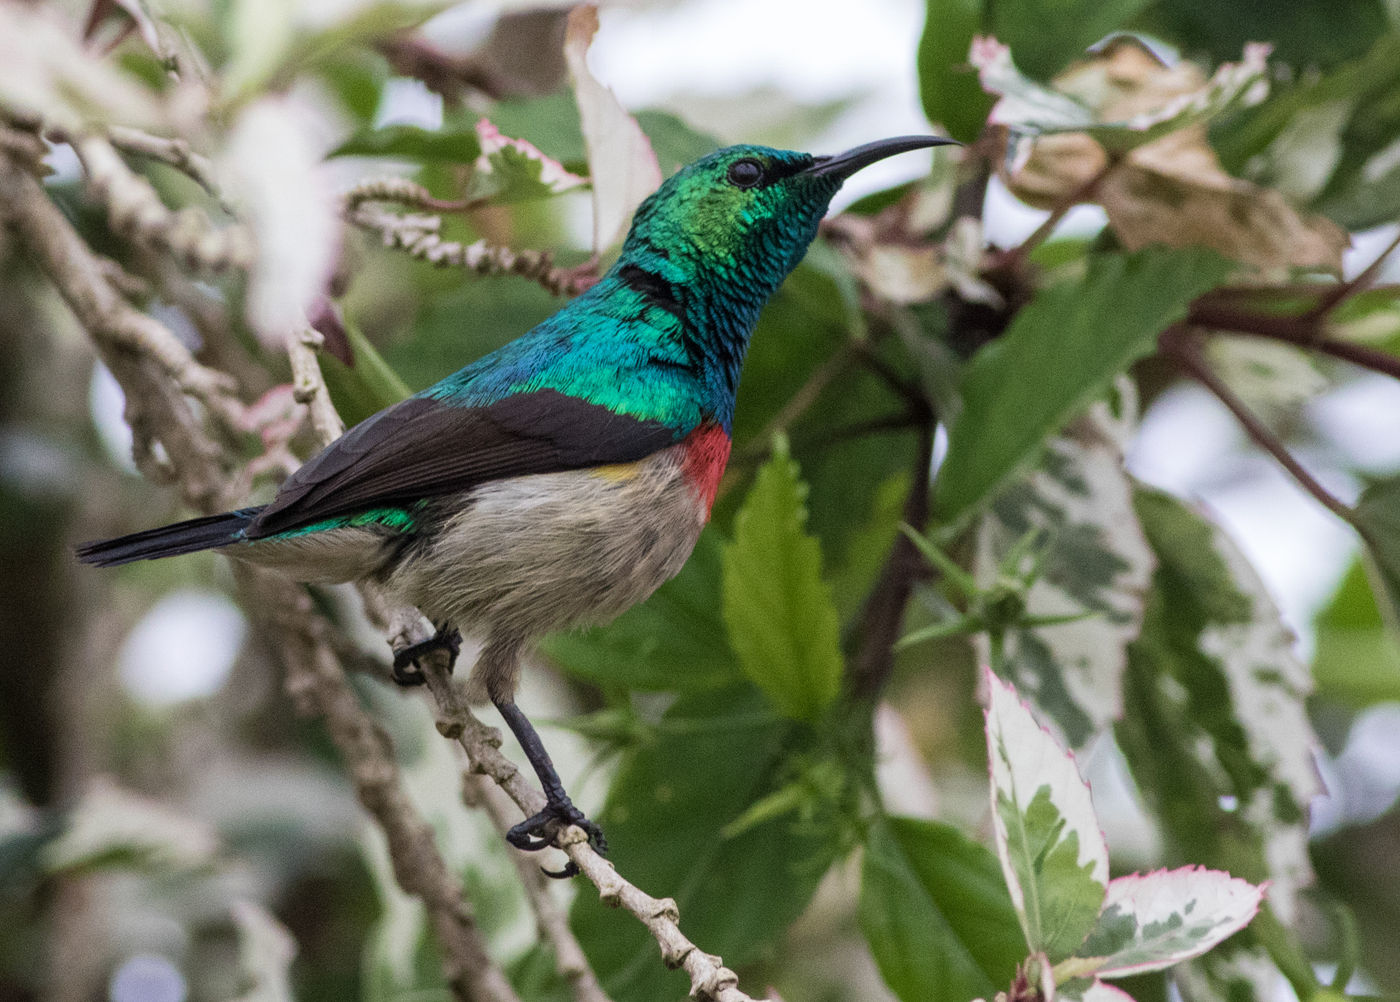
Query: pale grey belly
[(541, 553)]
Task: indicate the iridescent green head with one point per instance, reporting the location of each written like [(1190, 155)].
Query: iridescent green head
[(743, 216)]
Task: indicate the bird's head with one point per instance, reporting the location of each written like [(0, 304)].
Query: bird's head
[(743, 216)]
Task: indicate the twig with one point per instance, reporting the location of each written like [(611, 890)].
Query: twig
[(309, 387), (710, 980), (553, 923), (884, 609), (1180, 346), (405, 192), (136, 212), (1220, 310), (1017, 255), (158, 411), (129, 341), (420, 235), (173, 152), (317, 683), (1335, 295)]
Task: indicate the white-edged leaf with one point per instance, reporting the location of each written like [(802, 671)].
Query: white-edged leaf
[(621, 163), (46, 71), (777, 608), (1098, 563), (1153, 920), (514, 170), (1217, 706), (1048, 838), (273, 169), (1093, 991)]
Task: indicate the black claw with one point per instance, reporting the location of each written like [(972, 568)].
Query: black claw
[(539, 832), (406, 670)]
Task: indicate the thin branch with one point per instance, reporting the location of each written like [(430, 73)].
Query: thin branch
[(1338, 293), (420, 236), (710, 980), (157, 411), (135, 211), (1222, 310), (551, 919), (309, 386), (880, 620), (1017, 255), (172, 152), (317, 683), (1180, 346)]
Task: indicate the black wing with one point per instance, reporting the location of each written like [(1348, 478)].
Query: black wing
[(421, 448)]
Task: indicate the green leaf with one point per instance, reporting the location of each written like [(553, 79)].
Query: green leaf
[(934, 909), (676, 143), (714, 754), (948, 87), (411, 142), (1052, 850), (779, 612), (1378, 522), (1215, 725), (1358, 658), (1304, 33), (364, 388), (1047, 34), (1059, 353), (674, 640)]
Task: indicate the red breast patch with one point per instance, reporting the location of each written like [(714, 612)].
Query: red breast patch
[(706, 452)]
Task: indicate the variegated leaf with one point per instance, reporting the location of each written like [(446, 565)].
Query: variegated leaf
[(1081, 102), (621, 162), (1216, 724), (1092, 991), (1151, 921), (1051, 848), (514, 170), (1099, 563)]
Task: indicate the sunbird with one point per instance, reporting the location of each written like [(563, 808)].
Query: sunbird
[(564, 477)]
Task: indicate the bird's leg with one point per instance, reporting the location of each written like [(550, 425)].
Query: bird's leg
[(406, 670), (538, 832)]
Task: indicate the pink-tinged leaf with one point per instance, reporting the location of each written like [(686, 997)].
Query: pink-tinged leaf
[(274, 170), (514, 170), (1052, 850), (621, 162), (1095, 991), (1151, 921)]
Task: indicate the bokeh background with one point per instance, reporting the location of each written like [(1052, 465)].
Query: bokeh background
[(145, 697)]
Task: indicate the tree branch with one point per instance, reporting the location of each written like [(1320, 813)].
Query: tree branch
[(316, 681), (420, 236), (884, 610), (156, 410), (1181, 347), (553, 923)]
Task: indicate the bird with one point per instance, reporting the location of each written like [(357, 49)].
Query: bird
[(559, 480)]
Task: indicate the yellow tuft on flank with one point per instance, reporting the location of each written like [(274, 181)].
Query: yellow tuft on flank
[(618, 472)]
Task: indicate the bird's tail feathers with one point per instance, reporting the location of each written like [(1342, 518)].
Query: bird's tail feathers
[(206, 533)]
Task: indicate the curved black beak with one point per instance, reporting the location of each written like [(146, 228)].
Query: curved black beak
[(843, 165)]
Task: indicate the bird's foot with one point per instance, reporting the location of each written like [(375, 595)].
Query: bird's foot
[(406, 669), (539, 832)]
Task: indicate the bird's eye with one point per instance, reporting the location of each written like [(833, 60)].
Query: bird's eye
[(745, 173)]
